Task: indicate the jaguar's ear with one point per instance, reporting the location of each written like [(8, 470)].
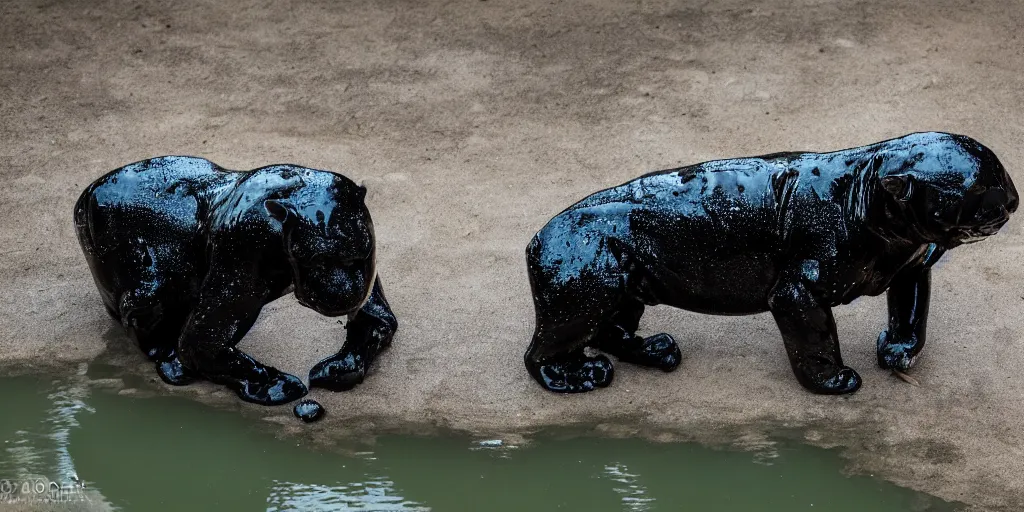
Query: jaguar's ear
[(278, 210), (901, 186), (361, 192)]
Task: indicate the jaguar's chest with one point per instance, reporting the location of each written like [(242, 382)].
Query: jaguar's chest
[(869, 268)]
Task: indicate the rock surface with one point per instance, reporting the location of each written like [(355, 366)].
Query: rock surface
[(309, 410)]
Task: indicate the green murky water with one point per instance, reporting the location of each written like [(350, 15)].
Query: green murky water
[(170, 453)]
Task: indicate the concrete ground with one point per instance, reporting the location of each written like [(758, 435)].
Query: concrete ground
[(472, 123)]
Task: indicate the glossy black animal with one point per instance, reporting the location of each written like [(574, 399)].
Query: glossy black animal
[(791, 233), (185, 254)]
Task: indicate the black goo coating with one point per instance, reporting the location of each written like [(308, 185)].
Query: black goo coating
[(309, 410), (794, 234), (185, 254)]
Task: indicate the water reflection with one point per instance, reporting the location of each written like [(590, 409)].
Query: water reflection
[(38, 466), (635, 497), (68, 401), (373, 495)]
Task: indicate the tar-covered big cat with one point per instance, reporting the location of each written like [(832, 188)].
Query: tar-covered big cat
[(794, 234)]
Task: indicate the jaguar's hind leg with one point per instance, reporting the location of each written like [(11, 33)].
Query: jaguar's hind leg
[(154, 321), (618, 338), (566, 323), (154, 307), (562, 369)]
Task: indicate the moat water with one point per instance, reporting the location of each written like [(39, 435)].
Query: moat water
[(96, 449)]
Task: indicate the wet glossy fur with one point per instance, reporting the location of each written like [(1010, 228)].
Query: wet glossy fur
[(791, 233), (185, 254)]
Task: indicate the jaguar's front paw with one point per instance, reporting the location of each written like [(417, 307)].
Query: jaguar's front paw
[(279, 388), (340, 372), (172, 372), (839, 381), (894, 353)]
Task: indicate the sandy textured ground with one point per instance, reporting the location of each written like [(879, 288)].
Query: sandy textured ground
[(473, 122)]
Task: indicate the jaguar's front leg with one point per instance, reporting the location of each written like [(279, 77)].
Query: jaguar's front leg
[(809, 333), (908, 297), (228, 306), (369, 331)]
